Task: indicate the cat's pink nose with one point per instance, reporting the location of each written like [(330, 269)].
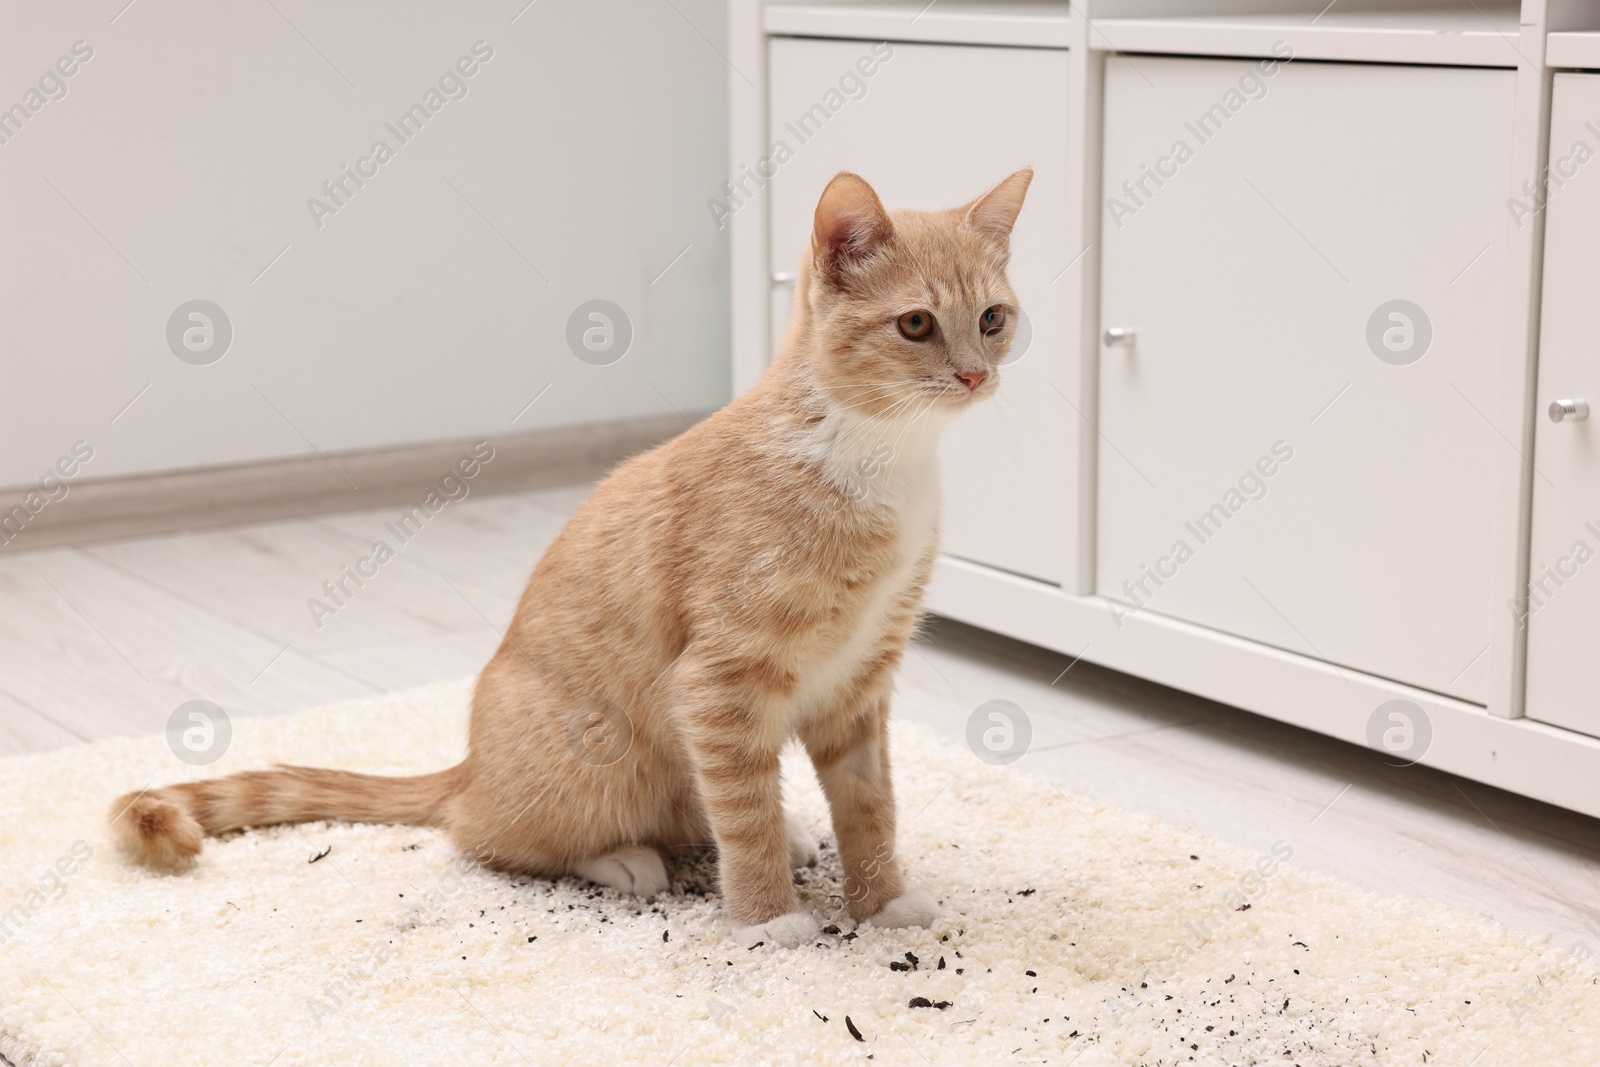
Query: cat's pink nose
[(973, 378)]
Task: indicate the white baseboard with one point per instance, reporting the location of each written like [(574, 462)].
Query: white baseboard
[(99, 510), (1520, 755)]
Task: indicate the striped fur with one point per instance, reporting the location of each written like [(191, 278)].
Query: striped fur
[(755, 579)]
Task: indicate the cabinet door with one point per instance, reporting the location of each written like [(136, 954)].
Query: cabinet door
[(1296, 445), (1563, 618), (932, 127)]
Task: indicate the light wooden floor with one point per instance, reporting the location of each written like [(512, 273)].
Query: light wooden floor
[(109, 638)]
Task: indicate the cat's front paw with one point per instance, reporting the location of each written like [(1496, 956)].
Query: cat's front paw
[(914, 907), (802, 844), (790, 930)]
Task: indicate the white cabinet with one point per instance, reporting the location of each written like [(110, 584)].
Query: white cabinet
[(932, 126), (1299, 482), (1297, 444), (1563, 616)]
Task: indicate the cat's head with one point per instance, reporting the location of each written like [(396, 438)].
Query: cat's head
[(911, 309)]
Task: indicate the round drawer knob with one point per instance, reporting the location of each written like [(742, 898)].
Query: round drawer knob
[(1119, 335), (1562, 410)]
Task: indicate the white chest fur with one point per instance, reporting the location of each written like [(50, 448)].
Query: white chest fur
[(891, 468)]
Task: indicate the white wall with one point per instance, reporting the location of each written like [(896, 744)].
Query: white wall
[(179, 163)]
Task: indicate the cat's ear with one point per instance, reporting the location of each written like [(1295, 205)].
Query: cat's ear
[(850, 224), (995, 212)]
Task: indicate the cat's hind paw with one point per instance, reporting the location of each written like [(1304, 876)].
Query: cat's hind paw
[(914, 907), (789, 930), (803, 850), (635, 869)]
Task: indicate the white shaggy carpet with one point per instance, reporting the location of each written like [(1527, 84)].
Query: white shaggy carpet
[(1071, 933)]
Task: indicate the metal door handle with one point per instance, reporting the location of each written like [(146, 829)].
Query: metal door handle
[(1562, 410)]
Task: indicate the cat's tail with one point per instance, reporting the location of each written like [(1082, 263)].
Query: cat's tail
[(165, 827)]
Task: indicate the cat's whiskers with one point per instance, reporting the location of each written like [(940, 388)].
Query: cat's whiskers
[(880, 385), (855, 435), (841, 456), (880, 390), (927, 407), (872, 438), (875, 399), (871, 420)]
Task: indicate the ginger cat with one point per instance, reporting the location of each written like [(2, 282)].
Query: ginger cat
[(756, 578)]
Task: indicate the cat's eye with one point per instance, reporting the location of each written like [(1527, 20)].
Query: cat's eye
[(993, 320), (916, 325)]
